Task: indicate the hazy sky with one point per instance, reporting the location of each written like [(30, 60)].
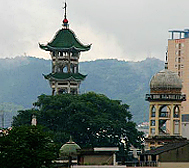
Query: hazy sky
[(122, 29)]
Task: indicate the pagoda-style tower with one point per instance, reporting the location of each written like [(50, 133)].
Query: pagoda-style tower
[(65, 50), (165, 108)]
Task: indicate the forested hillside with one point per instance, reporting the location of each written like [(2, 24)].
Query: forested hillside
[(22, 81)]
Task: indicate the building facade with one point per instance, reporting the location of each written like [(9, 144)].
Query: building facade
[(65, 50), (165, 108), (178, 61)]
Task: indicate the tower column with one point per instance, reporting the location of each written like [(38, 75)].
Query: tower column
[(157, 120), (171, 121), (180, 121), (150, 116)]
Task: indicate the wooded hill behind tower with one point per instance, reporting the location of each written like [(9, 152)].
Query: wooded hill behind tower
[(22, 81)]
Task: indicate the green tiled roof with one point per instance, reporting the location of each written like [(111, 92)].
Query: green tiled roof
[(65, 40), (69, 149), (59, 76)]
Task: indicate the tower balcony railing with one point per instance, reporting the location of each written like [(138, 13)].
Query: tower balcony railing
[(165, 97), (164, 115)]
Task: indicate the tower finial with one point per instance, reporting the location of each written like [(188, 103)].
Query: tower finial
[(65, 10), (166, 60), (65, 21)]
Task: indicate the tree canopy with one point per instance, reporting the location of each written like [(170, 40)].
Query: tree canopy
[(26, 147), (92, 119)]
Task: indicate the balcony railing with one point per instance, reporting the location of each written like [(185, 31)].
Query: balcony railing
[(148, 164), (165, 97)]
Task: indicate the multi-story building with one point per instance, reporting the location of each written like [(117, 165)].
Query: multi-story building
[(178, 61)]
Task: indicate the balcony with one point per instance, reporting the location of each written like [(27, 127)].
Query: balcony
[(165, 97)]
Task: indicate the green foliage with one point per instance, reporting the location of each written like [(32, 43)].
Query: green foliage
[(92, 119), (27, 147)]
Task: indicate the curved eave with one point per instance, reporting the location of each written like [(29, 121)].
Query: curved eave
[(72, 48), (71, 77)]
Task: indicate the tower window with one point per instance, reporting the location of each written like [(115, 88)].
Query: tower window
[(179, 53), (152, 131), (153, 123), (176, 112), (164, 111), (65, 69), (179, 45), (62, 91), (153, 111)]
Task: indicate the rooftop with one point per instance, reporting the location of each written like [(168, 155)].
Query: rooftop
[(65, 40)]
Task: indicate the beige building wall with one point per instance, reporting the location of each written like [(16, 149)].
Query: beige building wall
[(174, 164), (98, 159), (178, 61)]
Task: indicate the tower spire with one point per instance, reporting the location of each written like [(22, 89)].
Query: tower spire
[(166, 61), (65, 21), (65, 10)]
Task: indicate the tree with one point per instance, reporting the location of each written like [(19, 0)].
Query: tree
[(26, 147), (92, 119)]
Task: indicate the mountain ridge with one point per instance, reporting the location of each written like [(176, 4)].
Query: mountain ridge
[(22, 81)]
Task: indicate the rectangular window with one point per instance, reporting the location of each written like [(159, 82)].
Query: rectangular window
[(63, 83), (179, 45), (153, 123), (152, 131), (179, 53)]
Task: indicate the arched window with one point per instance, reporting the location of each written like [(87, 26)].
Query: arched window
[(164, 111), (61, 53), (65, 69), (72, 68), (153, 111), (62, 91), (176, 112)]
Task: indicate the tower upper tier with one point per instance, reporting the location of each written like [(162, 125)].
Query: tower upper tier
[(165, 80), (65, 40)]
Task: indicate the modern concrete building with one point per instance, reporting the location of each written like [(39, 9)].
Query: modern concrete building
[(178, 61), (65, 51)]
